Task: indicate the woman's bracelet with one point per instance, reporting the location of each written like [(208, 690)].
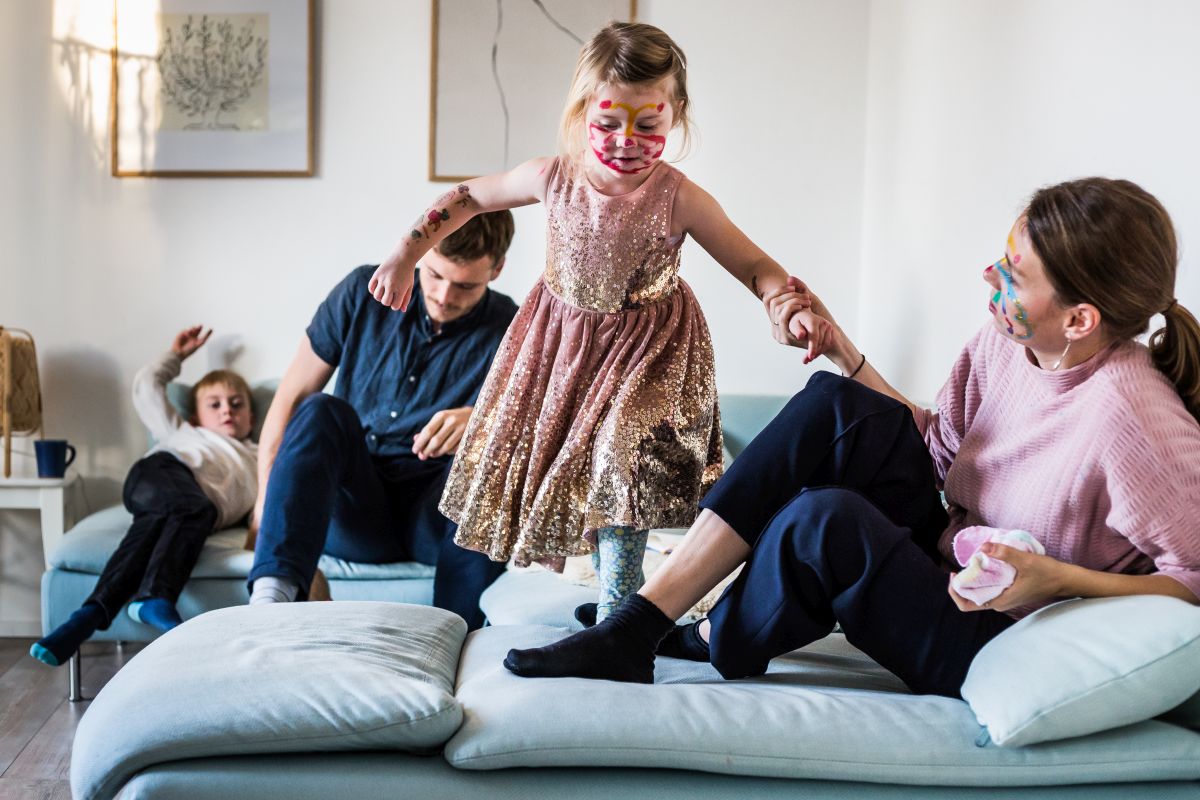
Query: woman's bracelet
[(859, 367)]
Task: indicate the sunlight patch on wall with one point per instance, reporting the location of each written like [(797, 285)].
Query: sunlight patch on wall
[(83, 38)]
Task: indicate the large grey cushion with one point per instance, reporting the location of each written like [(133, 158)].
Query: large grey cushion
[(1086, 665), (534, 597), (826, 712), (271, 679)]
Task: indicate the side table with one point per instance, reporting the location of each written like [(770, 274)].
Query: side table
[(48, 495)]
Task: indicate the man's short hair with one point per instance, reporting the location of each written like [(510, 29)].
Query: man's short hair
[(487, 234)]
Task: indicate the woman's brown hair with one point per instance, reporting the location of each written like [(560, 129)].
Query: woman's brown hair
[(1111, 244)]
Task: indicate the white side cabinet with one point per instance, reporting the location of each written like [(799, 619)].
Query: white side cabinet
[(47, 495)]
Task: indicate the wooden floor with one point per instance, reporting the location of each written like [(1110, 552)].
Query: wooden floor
[(37, 723)]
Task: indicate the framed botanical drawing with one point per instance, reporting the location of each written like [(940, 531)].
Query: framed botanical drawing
[(499, 77), (212, 88)]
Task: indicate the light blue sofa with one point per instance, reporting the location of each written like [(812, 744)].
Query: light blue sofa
[(380, 700), (219, 579)]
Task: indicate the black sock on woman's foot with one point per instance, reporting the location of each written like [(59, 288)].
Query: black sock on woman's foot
[(586, 614), (685, 641), (621, 648), (60, 644)]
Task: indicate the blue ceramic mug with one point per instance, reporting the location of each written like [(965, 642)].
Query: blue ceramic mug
[(53, 457)]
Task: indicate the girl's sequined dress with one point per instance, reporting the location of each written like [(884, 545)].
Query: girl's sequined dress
[(600, 408)]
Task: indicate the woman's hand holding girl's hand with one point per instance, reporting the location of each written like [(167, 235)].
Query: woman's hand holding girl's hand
[(794, 323), (392, 283), (1039, 578)]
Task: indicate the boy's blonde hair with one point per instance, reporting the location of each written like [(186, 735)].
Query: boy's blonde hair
[(623, 54), (222, 377)]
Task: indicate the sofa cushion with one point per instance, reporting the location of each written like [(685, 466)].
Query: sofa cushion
[(88, 546), (536, 596), (825, 712), (1081, 666), (271, 679)]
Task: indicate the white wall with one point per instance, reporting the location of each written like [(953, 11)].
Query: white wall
[(103, 271), (972, 106), (877, 148)]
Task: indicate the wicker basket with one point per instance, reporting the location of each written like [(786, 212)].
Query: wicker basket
[(20, 390)]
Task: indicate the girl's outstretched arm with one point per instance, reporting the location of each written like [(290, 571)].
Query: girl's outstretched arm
[(522, 185), (696, 212)]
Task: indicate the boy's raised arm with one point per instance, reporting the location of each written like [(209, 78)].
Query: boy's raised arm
[(150, 383)]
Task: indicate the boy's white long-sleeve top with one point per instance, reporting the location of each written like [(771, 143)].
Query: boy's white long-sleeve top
[(225, 468)]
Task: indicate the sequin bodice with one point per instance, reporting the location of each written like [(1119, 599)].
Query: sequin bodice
[(611, 253)]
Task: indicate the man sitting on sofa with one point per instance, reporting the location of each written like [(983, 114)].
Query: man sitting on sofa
[(358, 474)]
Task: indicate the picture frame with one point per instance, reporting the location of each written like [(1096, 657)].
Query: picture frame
[(499, 75), (171, 117)]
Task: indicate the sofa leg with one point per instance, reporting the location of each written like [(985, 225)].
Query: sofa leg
[(76, 671)]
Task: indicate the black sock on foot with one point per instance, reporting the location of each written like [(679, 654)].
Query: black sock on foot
[(59, 645), (586, 614), (621, 648), (686, 642)]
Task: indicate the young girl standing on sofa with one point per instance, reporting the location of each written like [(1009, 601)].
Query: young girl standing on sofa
[(199, 477), (599, 417)]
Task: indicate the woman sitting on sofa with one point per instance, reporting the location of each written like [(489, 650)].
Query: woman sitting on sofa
[(1054, 421)]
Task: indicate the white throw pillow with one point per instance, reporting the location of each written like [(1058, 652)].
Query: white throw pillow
[(1082, 666)]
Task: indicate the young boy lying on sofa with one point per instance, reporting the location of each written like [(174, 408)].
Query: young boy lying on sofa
[(200, 476)]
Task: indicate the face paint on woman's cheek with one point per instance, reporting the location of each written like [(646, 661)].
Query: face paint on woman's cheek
[(1005, 297)]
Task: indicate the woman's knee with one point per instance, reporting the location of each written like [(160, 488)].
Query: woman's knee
[(834, 524)]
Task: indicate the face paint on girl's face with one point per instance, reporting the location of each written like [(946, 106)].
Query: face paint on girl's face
[(1005, 299), (625, 137)]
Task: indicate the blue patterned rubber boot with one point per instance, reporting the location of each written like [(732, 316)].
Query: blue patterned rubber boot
[(618, 563)]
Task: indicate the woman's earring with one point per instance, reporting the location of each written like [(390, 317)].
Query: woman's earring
[(1058, 363)]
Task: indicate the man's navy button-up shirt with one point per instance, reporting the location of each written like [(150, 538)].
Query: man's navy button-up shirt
[(395, 371)]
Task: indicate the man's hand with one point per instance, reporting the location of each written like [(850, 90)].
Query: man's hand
[(1039, 578), (189, 340), (443, 433), (252, 523)]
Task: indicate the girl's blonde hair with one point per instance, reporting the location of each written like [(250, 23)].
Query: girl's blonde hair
[(623, 54)]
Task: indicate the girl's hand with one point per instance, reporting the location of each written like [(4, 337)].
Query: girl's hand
[(392, 283), (795, 324), (782, 305), (189, 340), (1039, 578)]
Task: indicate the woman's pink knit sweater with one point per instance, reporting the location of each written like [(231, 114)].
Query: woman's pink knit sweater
[(1100, 462)]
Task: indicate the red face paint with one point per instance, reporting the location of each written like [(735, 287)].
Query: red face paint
[(627, 151)]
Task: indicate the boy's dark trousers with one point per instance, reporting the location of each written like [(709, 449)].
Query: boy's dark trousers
[(171, 519)]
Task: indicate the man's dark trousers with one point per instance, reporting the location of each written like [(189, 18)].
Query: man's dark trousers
[(327, 494)]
